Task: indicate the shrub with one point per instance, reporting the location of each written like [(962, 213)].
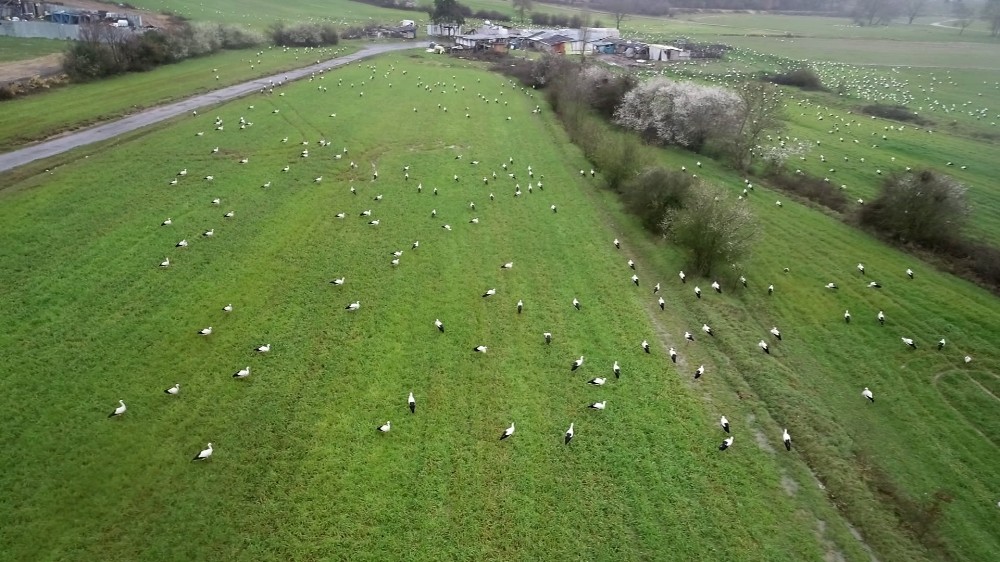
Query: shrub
[(682, 113), (303, 34), (604, 89), (715, 233), (811, 187), (894, 112), (804, 78), (923, 208), (651, 194)]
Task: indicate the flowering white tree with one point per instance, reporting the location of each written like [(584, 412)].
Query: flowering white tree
[(682, 113)]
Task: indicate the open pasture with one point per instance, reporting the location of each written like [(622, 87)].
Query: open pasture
[(260, 14), (298, 468), (78, 105), (18, 48)]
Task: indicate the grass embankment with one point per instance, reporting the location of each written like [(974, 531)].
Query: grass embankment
[(299, 470), (79, 105), (19, 48)]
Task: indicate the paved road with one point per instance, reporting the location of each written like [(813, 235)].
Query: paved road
[(20, 157)]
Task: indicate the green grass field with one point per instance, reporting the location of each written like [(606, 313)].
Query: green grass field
[(79, 105), (299, 470), (17, 48)]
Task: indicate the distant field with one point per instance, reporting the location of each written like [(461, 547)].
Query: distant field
[(16, 48), (78, 105), (262, 13)]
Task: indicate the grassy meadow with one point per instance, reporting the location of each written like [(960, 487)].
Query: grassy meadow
[(299, 469), (19, 48), (80, 105)]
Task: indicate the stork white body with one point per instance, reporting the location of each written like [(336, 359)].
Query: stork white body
[(204, 454)]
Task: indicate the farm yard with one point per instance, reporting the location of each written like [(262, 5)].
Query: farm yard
[(372, 226)]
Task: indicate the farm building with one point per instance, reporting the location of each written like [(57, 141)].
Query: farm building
[(493, 38), (444, 29), (667, 53)]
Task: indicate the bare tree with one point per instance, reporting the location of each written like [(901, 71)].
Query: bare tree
[(521, 6), (924, 207), (716, 232), (913, 9), (760, 112), (963, 15), (875, 12), (619, 10), (991, 13)]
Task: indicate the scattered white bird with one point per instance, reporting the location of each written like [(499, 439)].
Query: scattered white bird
[(384, 428), (242, 373), (520, 306), (776, 333), (439, 325), (717, 287), (204, 454), (743, 281), (617, 244), (339, 281), (553, 207), (635, 280), (216, 201), (909, 273), (446, 227), (209, 232), (183, 172), (617, 370), (598, 405), (547, 336), (727, 443), (941, 344), (645, 346), (861, 268), (683, 277), (699, 372), (167, 222), (868, 394), (787, 439), (697, 292), (656, 288), (576, 364), (507, 265), (228, 308), (182, 244), (353, 306), (412, 403), (660, 302), (229, 215), (688, 336), (569, 434), (165, 262), (507, 432), (489, 293), (968, 358), (874, 285), (909, 342), (724, 423), (576, 304), (847, 316), (831, 285), (374, 222), (119, 410), (770, 289), (631, 264), (881, 318), (763, 346), (205, 331), (173, 390), (673, 355), (264, 348), (597, 381), (480, 349), (707, 329)]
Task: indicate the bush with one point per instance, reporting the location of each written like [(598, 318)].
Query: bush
[(923, 208), (682, 113), (491, 15), (812, 188), (654, 192), (894, 112), (303, 34), (716, 233), (604, 89), (804, 78)]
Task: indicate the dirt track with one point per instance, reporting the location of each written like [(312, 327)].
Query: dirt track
[(11, 160)]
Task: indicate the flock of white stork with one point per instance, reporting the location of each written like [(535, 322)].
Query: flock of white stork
[(507, 168)]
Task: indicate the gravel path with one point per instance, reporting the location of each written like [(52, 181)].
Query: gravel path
[(45, 149)]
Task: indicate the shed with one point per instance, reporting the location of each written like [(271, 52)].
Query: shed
[(667, 53)]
